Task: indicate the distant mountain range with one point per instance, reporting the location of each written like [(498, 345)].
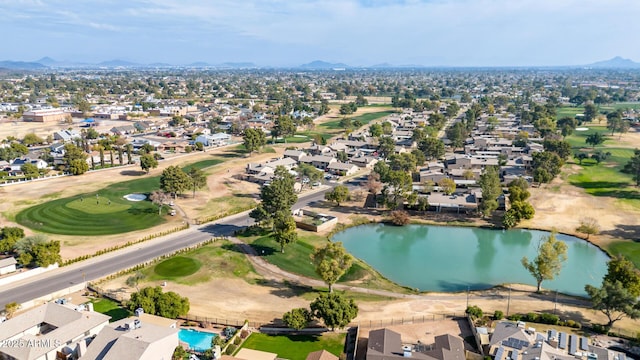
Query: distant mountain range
[(615, 63), (49, 63)]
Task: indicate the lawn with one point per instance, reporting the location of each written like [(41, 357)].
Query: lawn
[(297, 259), (364, 118), (215, 260), (178, 266), (111, 308), (603, 180), (102, 212), (630, 249), (296, 347), (570, 111)]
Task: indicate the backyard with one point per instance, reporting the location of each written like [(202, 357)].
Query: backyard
[(296, 347)]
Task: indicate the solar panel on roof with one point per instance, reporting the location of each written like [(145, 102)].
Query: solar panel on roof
[(584, 343), (553, 334), (562, 340), (573, 344), (499, 353), (514, 354)]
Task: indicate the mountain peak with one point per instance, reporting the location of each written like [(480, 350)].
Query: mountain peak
[(616, 62), (319, 64)]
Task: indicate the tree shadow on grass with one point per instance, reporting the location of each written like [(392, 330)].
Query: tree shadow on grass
[(631, 232), (138, 211), (132, 172), (600, 184)]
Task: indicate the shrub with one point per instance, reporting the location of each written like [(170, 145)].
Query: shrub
[(530, 317), (230, 349), (546, 318), (600, 329), (514, 317), (474, 312), (572, 324), (244, 334), (237, 340), (400, 217), (229, 331), (498, 315)]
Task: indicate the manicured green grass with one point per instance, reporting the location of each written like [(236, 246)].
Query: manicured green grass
[(620, 105), (103, 212), (600, 180), (111, 308), (295, 347), (215, 260), (570, 111), (630, 249), (364, 118), (297, 259), (296, 256), (178, 266)]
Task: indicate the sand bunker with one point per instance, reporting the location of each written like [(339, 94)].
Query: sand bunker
[(135, 197), (582, 129)]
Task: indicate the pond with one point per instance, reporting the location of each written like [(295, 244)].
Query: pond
[(449, 259)]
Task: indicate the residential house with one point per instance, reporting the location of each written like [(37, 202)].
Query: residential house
[(342, 169), (217, 139), (7, 265), (385, 344), (514, 341), (296, 155), (363, 161), (321, 355), (51, 329), (66, 135), (133, 338), (321, 162), (124, 130)]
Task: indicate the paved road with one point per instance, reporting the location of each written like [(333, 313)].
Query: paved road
[(110, 263)]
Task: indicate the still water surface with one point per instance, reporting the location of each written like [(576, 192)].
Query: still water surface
[(447, 258)]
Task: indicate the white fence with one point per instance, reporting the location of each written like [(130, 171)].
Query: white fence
[(26, 274)]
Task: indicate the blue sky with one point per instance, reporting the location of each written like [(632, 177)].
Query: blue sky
[(292, 32)]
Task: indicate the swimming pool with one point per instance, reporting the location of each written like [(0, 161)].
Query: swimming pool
[(197, 340)]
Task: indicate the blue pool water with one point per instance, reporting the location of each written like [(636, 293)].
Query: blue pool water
[(197, 340)]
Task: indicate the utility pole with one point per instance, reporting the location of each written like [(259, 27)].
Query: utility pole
[(468, 288), (508, 301)]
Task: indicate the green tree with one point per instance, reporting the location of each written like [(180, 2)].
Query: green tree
[(433, 148), (75, 159), (254, 139), (331, 262), (375, 130), (32, 139), (148, 162), (588, 226), (560, 147), (551, 254), (284, 231), (510, 219), (133, 280), (457, 134), (283, 127), (277, 198), (447, 185), (311, 172), (334, 310), (36, 250), (621, 269), (491, 189), (30, 171), (633, 166), (590, 112), (8, 238), (198, 179), (594, 139), (404, 162), (386, 147), (297, 318), (153, 301), (567, 125), (614, 301), (338, 194), (546, 166), (174, 181), (180, 353)]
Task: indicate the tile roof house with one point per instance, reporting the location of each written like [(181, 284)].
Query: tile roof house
[(385, 344), (52, 328), (131, 339), (321, 355)]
